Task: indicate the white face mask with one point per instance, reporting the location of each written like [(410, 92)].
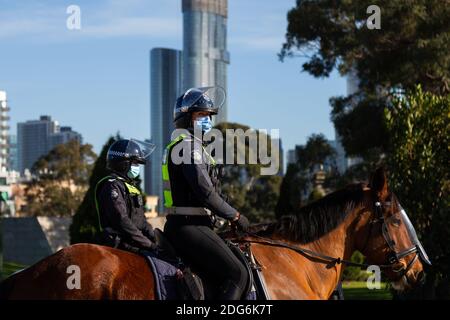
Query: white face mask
[(134, 171)]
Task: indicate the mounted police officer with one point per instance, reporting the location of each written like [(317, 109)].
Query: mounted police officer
[(119, 202), (192, 199)]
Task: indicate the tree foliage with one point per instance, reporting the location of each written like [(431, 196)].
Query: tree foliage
[(297, 187), (291, 190), (251, 193), (419, 131), (316, 151), (60, 180), (412, 47), (85, 227)]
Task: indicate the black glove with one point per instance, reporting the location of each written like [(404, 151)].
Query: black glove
[(242, 223)]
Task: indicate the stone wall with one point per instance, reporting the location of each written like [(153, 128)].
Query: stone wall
[(29, 239), (23, 241)]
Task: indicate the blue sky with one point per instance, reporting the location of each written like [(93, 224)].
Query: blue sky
[(97, 79)]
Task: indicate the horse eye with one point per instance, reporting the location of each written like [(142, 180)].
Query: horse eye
[(396, 222)]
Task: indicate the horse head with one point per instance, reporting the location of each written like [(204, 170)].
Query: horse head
[(387, 238)]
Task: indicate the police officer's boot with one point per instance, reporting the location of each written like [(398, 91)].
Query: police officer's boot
[(229, 291)]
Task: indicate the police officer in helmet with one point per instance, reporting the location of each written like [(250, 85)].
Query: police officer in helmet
[(119, 202), (192, 199)]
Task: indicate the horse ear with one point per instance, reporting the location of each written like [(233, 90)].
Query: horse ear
[(378, 183)]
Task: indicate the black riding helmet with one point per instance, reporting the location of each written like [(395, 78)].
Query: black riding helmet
[(122, 153), (196, 99)]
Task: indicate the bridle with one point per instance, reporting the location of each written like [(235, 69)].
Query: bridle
[(378, 217), (393, 256)]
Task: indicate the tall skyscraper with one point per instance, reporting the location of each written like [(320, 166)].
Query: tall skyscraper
[(35, 138), (4, 132), (344, 162), (205, 55), (203, 62), (165, 82)]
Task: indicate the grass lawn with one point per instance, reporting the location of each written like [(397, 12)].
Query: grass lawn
[(9, 268), (357, 290)]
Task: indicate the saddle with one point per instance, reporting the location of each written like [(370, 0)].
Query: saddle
[(192, 287)]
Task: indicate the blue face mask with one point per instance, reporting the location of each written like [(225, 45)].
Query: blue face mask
[(203, 123), (134, 171)]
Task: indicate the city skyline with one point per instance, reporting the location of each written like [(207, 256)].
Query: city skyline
[(36, 138), (99, 72)]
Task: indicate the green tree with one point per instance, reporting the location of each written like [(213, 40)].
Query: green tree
[(262, 199), (291, 190), (352, 273), (299, 177), (60, 180), (316, 151), (412, 47), (356, 173), (419, 145), (84, 227), (247, 190)]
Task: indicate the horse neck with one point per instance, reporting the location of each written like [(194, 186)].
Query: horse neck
[(340, 242)]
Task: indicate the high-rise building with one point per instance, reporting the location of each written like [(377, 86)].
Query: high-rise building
[(64, 135), (291, 157), (203, 62), (344, 162), (32, 140), (13, 160), (4, 132), (205, 55), (36, 138), (165, 82)]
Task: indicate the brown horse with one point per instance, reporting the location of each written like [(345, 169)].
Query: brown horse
[(293, 253)]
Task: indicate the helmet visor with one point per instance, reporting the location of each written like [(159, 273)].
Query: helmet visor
[(140, 149), (216, 94)]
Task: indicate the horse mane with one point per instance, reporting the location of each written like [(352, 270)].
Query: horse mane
[(320, 217)]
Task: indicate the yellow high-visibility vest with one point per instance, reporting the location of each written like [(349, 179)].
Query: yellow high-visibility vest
[(167, 191)]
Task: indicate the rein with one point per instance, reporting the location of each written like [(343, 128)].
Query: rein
[(310, 254), (332, 261), (394, 256)]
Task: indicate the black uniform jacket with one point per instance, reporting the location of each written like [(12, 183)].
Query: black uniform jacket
[(124, 213), (195, 183)]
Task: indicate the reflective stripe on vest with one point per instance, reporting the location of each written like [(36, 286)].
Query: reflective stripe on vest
[(167, 190), (130, 188)]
